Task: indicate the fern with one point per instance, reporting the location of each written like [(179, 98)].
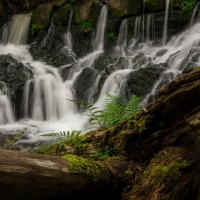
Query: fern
[(93, 111), (64, 135), (113, 112), (133, 107)]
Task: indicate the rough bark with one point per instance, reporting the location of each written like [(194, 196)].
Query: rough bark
[(165, 139), (33, 176)]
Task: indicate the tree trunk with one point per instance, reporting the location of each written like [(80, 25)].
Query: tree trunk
[(33, 176)]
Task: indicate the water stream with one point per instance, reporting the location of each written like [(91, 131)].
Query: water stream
[(45, 108)]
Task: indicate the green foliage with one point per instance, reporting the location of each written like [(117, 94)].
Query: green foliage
[(133, 107), (92, 111), (33, 28), (72, 137), (111, 36), (115, 110), (187, 7), (101, 155), (86, 26), (10, 143), (63, 135)]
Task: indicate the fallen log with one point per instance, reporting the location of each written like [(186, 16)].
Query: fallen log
[(33, 176)]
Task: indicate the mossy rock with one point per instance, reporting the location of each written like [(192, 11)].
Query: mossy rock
[(61, 16), (59, 3), (86, 11), (41, 16), (78, 164), (124, 8), (155, 5), (163, 171)]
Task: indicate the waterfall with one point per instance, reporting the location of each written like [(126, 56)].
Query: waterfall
[(6, 112), (150, 28), (122, 37), (166, 22), (143, 21), (193, 14), (4, 34), (18, 29), (49, 32), (67, 49), (45, 108), (99, 38)]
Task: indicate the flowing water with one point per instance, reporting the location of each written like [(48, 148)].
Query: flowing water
[(45, 108), (166, 22)]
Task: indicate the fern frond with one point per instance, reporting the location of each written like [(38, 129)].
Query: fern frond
[(133, 107), (63, 135)]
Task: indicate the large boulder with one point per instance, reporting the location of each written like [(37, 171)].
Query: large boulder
[(124, 8), (61, 15), (84, 82), (141, 82), (86, 11), (41, 17), (14, 75)]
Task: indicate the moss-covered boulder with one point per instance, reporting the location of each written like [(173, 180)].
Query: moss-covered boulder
[(60, 2), (155, 5), (61, 15), (86, 11), (41, 16), (124, 8)]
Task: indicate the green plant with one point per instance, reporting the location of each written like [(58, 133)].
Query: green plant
[(86, 26), (111, 36), (115, 110), (133, 107), (72, 137), (10, 143), (187, 7), (63, 135), (33, 28)]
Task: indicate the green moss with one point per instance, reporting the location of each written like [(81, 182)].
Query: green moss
[(75, 145), (79, 164), (86, 26), (41, 17), (187, 7), (111, 36), (165, 173)]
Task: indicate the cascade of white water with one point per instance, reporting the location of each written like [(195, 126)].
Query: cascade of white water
[(44, 96), (166, 22), (18, 34), (67, 49), (101, 25), (122, 37), (112, 85), (6, 112), (43, 43), (143, 21), (4, 34), (193, 13)]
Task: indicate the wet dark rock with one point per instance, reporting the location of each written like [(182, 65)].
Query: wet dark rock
[(84, 82), (189, 67), (14, 75), (141, 82)]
